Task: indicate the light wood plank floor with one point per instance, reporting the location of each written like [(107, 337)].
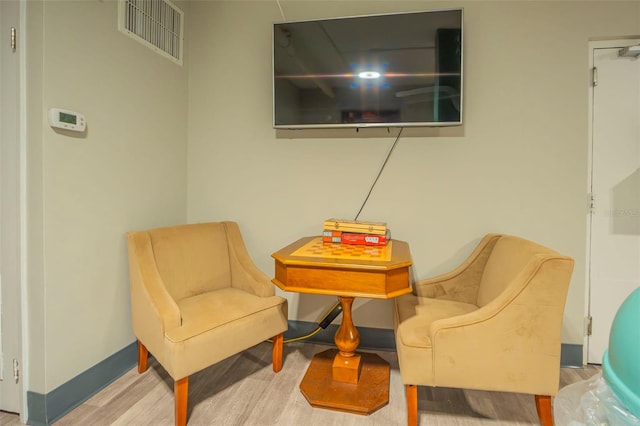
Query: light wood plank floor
[(243, 390)]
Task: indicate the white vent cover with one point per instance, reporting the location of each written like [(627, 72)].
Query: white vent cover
[(158, 24)]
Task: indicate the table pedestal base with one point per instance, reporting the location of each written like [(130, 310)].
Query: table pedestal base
[(370, 393)]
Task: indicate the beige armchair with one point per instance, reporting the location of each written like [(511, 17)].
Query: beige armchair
[(494, 324), (197, 298)]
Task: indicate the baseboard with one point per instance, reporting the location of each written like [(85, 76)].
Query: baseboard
[(43, 410), (571, 355), (370, 338)]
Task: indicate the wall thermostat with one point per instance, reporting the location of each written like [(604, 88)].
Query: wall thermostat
[(68, 120)]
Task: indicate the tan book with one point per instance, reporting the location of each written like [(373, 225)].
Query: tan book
[(358, 226)]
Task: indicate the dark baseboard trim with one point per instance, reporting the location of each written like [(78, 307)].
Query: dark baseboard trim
[(571, 355), (370, 338), (44, 410)]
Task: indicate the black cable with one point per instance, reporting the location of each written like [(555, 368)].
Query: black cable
[(327, 319), (380, 172)]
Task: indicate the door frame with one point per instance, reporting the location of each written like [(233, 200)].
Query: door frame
[(618, 42), (18, 294)]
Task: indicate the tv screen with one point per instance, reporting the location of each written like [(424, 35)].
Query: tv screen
[(392, 70)]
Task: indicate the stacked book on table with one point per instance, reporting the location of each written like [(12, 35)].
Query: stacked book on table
[(355, 232)]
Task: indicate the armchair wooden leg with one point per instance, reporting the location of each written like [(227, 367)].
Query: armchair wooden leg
[(412, 405), (543, 406), (276, 354), (181, 393), (143, 356)]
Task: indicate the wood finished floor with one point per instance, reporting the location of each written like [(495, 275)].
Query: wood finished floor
[(243, 390)]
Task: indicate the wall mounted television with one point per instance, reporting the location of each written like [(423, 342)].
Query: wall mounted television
[(390, 70)]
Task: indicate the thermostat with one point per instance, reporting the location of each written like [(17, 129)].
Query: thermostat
[(68, 120)]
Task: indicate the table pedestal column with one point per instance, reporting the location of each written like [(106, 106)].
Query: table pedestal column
[(347, 364)]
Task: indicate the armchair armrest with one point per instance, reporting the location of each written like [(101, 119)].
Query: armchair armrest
[(462, 283), (522, 326), (154, 306), (245, 274)]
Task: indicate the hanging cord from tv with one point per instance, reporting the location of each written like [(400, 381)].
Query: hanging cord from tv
[(281, 11), (380, 172)]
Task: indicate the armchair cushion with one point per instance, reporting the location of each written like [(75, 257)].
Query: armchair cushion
[(202, 342), (217, 308), (421, 313)]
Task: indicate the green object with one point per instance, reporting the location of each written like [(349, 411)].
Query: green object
[(621, 361)]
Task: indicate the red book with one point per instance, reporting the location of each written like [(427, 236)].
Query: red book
[(363, 239)]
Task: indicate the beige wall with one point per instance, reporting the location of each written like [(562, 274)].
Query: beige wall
[(519, 164), (85, 192)]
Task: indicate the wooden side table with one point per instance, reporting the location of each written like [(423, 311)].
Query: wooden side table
[(344, 379)]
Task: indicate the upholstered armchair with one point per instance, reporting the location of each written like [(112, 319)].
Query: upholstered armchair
[(197, 298), (494, 323)]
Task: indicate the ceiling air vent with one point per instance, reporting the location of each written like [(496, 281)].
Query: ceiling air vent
[(158, 24)]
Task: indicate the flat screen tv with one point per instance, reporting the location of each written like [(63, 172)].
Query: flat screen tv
[(391, 70)]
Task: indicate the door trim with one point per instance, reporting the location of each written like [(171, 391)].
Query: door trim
[(18, 16), (594, 45), (22, 191)]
